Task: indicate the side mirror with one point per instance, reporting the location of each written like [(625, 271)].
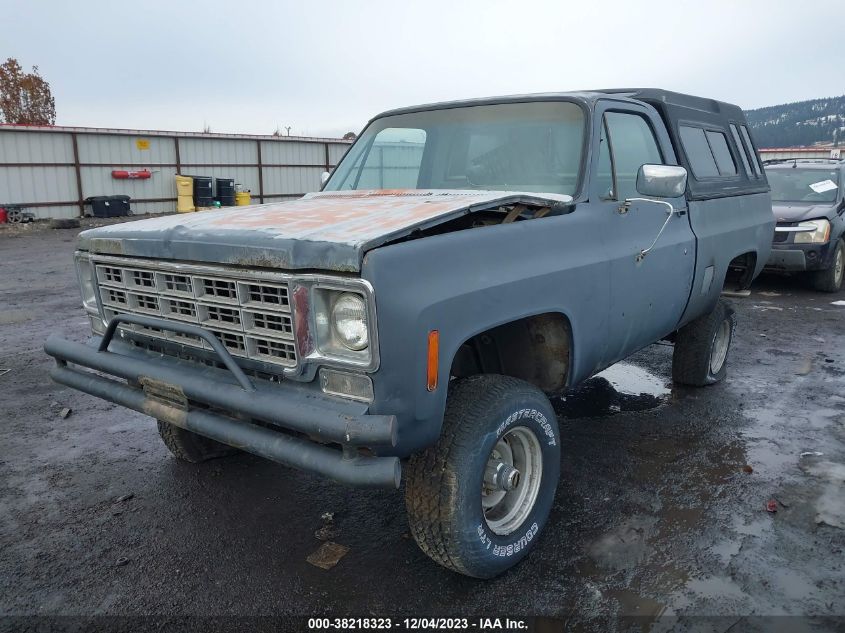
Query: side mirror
[(661, 181), (324, 177)]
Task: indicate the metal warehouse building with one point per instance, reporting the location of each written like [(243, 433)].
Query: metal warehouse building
[(52, 170)]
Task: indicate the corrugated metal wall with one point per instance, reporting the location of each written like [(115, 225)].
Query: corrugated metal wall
[(51, 171)]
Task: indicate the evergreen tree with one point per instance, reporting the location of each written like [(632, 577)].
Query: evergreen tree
[(799, 124)]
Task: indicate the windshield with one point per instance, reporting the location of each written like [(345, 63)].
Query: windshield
[(531, 147), (803, 185)]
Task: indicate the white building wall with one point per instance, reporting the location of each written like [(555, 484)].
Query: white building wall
[(95, 148), (292, 153), (44, 184), (291, 180), (336, 152), (217, 151), (25, 147), (38, 166)]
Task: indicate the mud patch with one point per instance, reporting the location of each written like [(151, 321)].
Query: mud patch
[(625, 546)]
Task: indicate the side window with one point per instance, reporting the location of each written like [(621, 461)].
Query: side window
[(393, 161), (750, 149), (632, 145), (604, 177), (722, 153), (741, 149), (698, 152)]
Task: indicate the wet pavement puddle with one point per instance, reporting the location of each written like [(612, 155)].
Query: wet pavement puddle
[(619, 388)]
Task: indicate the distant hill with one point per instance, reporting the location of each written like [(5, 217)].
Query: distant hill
[(800, 123)]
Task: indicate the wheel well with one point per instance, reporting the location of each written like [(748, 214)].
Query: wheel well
[(536, 349), (741, 271)]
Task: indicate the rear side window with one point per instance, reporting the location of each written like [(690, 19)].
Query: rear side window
[(698, 152), (749, 147), (721, 152), (743, 155), (708, 152)]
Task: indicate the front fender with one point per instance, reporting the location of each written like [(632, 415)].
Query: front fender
[(469, 281)]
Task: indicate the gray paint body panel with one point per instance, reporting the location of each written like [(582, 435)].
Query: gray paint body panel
[(726, 228)]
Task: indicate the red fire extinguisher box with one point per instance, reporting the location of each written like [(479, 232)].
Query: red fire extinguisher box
[(123, 174)]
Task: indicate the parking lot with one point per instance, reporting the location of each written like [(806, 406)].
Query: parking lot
[(662, 508)]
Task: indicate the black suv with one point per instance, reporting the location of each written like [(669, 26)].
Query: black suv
[(808, 204)]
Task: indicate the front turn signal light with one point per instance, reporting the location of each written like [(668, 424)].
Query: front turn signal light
[(433, 359)]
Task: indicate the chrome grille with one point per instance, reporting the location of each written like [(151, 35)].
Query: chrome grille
[(251, 318)]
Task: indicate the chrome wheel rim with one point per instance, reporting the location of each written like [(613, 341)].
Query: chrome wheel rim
[(838, 265), (511, 480), (719, 349)]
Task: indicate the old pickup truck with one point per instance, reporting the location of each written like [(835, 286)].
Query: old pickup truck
[(462, 263)]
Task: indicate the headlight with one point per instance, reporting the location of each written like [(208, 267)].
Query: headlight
[(344, 331), (85, 274), (819, 234), (349, 321)]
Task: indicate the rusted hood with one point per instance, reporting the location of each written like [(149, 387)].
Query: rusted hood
[(321, 231)]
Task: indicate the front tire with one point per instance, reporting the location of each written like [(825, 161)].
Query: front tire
[(191, 447), (830, 279), (701, 348), (479, 497)]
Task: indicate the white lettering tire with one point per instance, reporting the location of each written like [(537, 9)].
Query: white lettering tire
[(478, 499)]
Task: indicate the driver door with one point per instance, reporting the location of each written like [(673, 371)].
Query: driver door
[(648, 295)]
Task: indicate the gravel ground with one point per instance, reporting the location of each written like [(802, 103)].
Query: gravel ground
[(657, 514)]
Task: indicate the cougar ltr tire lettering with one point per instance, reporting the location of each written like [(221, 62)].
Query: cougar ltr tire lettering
[(444, 483)]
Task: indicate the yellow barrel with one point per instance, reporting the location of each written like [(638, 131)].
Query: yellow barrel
[(185, 204), (241, 198), (184, 194), (184, 186)]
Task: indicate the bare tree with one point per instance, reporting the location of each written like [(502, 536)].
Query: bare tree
[(25, 98)]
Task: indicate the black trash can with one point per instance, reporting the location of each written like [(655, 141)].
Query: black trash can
[(109, 206), (203, 196), (225, 190)]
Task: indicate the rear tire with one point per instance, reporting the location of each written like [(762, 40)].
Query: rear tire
[(830, 279), (191, 447), (479, 497), (702, 346)]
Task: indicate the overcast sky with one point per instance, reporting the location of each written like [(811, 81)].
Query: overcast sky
[(325, 67)]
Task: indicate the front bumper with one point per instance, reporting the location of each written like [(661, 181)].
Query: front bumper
[(226, 406), (799, 257)]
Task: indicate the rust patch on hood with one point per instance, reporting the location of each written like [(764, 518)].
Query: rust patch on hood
[(329, 231), (352, 217)]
